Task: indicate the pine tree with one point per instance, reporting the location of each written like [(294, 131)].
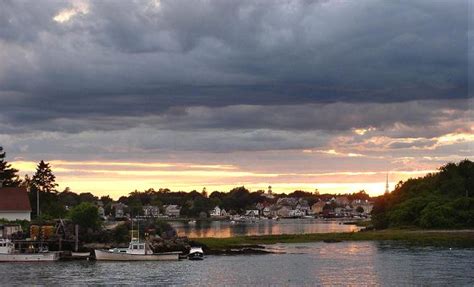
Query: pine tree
[(26, 182), (44, 178), (8, 175)]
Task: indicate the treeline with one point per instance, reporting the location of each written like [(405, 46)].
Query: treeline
[(439, 200), (56, 204), (198, 204)]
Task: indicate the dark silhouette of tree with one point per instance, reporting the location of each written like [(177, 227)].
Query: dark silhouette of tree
[(437, 200), (26, 182), (44, 179), (8, 175)]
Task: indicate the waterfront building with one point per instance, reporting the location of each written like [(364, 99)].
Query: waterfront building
[(318, 207), (8, 230), (216, 212), (342, 200), (284, 211), (172, 210), (252, 213), (151, 211), (14, 203), (119, 210)]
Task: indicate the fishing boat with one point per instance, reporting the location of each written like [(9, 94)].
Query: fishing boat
[(136, 251), (196, 253), (8, 253)]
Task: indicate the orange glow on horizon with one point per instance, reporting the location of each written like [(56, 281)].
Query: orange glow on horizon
[(103, 178)]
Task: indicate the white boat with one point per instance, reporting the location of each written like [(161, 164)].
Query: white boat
[(196, 253), (8, 253), (136, 251)]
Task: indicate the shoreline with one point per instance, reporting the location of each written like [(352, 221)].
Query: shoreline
[(246, 244)]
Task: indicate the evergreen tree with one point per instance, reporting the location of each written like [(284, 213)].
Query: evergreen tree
[(26, 182), (8, 175), (44, 178)]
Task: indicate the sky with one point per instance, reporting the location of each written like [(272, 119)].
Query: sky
[(329, 95)]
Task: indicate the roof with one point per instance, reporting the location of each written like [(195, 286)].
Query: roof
[(14, 199), (320, 203)]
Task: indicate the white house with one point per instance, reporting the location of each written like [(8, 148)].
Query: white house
[(151, 211), (251, 212), (216, 212), (172, 210), (119, 210), (14, 203)]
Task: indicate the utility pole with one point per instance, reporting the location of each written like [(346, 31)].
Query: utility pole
[(37, 203)]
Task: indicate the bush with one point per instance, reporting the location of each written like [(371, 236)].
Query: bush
[(437, 216), (86, 215)]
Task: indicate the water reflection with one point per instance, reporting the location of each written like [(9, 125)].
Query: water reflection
[(223, 229), (313, 264)]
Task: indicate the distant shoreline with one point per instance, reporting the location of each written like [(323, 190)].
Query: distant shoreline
[(421, 237)]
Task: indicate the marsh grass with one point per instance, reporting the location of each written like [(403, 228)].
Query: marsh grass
[(448, 238)]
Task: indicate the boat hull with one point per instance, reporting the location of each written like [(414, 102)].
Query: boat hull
[(104, 255), (37, 257), (196, 256)]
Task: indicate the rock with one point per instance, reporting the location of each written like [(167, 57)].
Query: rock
[(167, 245)]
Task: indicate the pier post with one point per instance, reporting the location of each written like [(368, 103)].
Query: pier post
[(76, 237)]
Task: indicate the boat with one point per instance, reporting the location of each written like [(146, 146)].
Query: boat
[(196, 253), (8, 253), (136, 251)]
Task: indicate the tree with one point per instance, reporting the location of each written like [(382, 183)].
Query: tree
[(86, 215), (8, 175), (26, 182), (44, 178), (87, 197), (69, 198), (204, 192)]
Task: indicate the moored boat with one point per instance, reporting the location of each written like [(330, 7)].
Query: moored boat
[(196, 253), (8, 253), (136, 251)]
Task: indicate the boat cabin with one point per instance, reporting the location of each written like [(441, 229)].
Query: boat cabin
[(6, 247), (135, 247)]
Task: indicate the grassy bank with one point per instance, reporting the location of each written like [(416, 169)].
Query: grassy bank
[(449, 238)]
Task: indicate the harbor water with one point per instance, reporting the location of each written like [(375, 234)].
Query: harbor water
[(346, 263), (222, 229)]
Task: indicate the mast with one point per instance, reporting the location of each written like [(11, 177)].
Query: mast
[(386, 185), (37, 203), (131, 239)]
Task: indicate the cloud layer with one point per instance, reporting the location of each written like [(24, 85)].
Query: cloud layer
[(302, 86)]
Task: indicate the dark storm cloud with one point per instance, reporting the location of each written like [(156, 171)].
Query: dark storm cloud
[(140, 58)]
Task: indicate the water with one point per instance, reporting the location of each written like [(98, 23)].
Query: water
[(262, 227), (345, 263)]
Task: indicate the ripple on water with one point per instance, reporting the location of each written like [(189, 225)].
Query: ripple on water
[(359, 263)]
